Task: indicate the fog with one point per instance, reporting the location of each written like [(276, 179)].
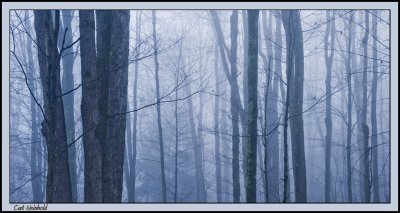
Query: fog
[(157, 106)]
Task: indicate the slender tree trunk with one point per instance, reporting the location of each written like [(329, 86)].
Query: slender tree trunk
[(176, 140), (235, 109), (266, 115), (289, 72), (273, 160), (245, 89), (374, 127), (128, 156), (132, 161), (68, 100), (35, 134), (216, 127), (365, 154), (330, 32), (236, 106), (225, 158), (160, 135), (53, 126), (349, 110), (278, 78)]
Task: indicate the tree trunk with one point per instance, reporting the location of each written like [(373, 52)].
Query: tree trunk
[(349, 110), (176, 139), (273, 162), (236, 106), (114, 146), (293, 30), (200, 186), (245, 89), (216, 127), (330, 32), (90, 115), (374, 127), (365, 153), (160, 135), (68, 99), (132, 143), (35, 135), (278, 78), (251, 173), (53, 126)]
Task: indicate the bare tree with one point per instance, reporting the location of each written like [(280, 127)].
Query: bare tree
[(236, 106), (365, 128), (89, 108), (349, 108), (216, 126), (160, 134), (251, 173), (294, 40), (53, 126), (374, 126), (35, 158), (68, 99), (329, 52)]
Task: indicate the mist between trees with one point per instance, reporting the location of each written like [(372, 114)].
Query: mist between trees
[(199, 106)]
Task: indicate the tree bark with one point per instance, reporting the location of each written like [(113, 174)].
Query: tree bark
[(53, 127), (89, 108), (251, 190), (293, 30), (68, 99), (114, 146)]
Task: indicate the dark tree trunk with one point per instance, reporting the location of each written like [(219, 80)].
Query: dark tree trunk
[(293, 30), (251, 173), (53, 126), (89, 108), (68, 99), (114, 145)]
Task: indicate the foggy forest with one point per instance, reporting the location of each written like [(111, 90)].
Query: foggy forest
[(199, 106)]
